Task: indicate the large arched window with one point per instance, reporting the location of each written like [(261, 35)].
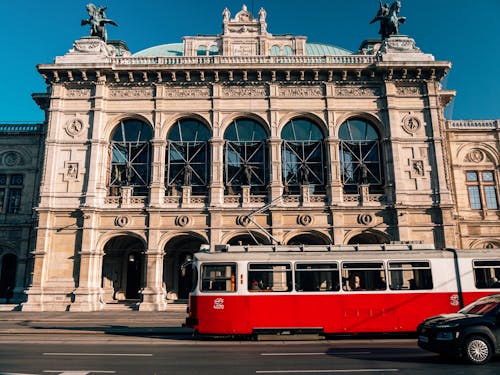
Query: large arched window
[(245, 157), (360, 161), (303, 156), (130, 154), (187, 156)]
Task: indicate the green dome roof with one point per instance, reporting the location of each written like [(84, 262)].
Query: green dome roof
[(177, 49)]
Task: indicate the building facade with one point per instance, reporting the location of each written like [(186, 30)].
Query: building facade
[(239, 138)]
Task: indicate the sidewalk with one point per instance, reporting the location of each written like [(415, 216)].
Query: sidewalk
[(107, 322)]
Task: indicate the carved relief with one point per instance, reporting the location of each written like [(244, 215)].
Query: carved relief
[(182, 220), (238, 91), (188, 92), (122, 221), (74, 127), (417, 168), (135, 92), (78, 93), (71, 171), (305, 220), (242, 220), (357, 91), (409, 90), (411, 124), (475, 156), (301, 91), (12, 159), (365, 219)]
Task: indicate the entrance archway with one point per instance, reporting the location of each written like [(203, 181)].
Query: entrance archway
[(8, 276), (122, 276), (308, 239), (251, 238), (367, 238), (178, 251)]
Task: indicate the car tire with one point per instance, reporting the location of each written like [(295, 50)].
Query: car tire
[(477, 350)]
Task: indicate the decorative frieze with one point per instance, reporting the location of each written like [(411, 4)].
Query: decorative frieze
[(187, 92), (131, 92), (244, 91), (78, 93), (300, 91), (357, 91), (403, 90)]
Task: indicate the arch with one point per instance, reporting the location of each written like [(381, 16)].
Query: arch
[(307, 238), (369, 236), (303, 115), (122, 275), (485, 244), (201, 51), (246, 237), (167, 237), (179, 250), (107, 236), (229, 119), (113, 123), (275, 50), (166, 126), (287, 51), (373, 119), (213, 50), (8, 272), (490, 152), (360, 155)]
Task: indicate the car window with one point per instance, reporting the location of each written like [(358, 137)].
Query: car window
[(480, 307)]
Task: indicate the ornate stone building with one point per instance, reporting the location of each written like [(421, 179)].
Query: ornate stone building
[(239, 138)]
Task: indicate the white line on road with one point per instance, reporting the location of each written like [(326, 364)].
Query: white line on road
[(103, 354), (322, 353), (81, 372), (327, 371)]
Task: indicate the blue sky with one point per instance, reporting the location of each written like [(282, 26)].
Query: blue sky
[(34, 32)]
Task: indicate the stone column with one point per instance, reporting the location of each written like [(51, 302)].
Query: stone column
[(153, 295), (157, 187), (334, 184), (217, 181), (276, 168)]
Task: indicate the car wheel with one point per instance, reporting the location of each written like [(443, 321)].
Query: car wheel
[(477, 350)]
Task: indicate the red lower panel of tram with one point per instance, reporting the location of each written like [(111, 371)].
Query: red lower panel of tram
[(354, 313)]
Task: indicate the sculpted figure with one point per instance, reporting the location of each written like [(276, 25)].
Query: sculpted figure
[(97, 21), (389, 19)]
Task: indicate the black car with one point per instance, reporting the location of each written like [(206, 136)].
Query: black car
[(472, 334)]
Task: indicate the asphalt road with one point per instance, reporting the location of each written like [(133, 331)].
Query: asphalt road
[(115, 354)]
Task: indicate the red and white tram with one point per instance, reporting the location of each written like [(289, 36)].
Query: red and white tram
[(334, 289)]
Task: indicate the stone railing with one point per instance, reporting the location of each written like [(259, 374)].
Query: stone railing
[(473, 124), (20, 127), (231, 60)]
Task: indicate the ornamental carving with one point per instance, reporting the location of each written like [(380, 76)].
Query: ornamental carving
[(12, 159), (182, 220), (78, 93), (305, 220), (135, 92), (475, 156), (71, 172), (411, 124), (357, 91), (122, 221), (409, 90), (191, 92), (417, 168), (243, 220), (365, 219), (300, 91), (74, 127), (238, 91)]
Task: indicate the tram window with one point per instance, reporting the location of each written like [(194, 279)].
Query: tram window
[(269, 277), (410, 275), (317, 277), (486, 273), (218, 278), (360, 276)]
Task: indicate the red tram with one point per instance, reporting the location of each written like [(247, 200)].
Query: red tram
[(334, 289)]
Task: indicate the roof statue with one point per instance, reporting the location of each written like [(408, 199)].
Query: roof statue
[(97, 21), (389, 19)]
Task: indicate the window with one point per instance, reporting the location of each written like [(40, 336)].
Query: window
[(218, 277), (360, 276), (486, 273), (481, 189), (269, 277), (360, 162), (245, 157), (11, 187), (410, 275), (303, 156), (317, 277), (130, 157), (187, 157)]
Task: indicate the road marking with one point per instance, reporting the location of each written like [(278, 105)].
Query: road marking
[(103, 354), (327, 371), (322, 353)]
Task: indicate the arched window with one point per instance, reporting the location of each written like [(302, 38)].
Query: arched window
[(245, 157), (360, 162), (214, 50), (275, 51), (303, 156), (201, 51), (130, 157), (287, 51), (187, 156)]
